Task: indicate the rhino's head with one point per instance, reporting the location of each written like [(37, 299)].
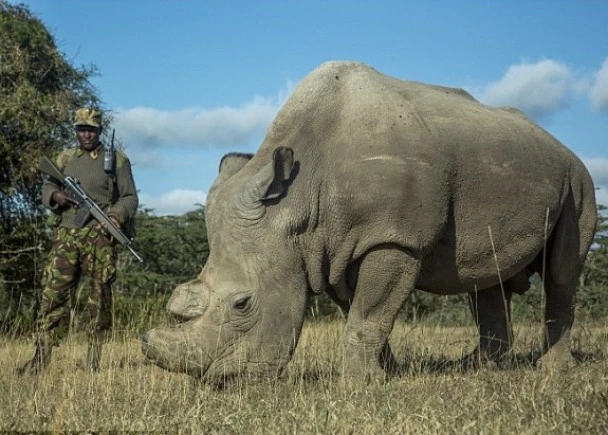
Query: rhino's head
[(245, 311)]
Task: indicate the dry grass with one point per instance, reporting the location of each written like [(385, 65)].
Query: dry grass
[(127, 395)]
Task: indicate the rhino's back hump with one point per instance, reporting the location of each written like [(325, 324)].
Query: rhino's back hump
[(350, 109), (345, 116)]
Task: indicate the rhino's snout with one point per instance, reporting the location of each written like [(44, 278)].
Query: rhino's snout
[(174, 349)]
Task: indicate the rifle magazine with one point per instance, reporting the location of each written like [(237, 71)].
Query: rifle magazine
[(82, 217)]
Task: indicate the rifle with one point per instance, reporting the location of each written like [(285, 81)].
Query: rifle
[(85, 205)]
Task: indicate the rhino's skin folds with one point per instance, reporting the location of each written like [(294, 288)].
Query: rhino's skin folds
[(367, 187)]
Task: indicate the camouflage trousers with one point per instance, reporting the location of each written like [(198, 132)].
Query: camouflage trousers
[(77, 252)]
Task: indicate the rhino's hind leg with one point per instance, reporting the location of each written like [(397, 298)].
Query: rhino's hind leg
[(491, 309), (560, 289), (559, 317), (567, 250), (386, 276)]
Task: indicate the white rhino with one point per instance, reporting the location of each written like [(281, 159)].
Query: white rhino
[(367, 187)]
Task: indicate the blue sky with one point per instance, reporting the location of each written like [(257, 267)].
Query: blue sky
[(191, 80)]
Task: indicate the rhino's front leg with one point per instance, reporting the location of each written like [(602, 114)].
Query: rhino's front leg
[(386, 276), (491, 309)]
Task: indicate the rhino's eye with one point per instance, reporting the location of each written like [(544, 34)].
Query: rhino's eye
[(242, 304)]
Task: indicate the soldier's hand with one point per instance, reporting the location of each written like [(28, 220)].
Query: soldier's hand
[(62, 198), (107, 230), (113, 219)]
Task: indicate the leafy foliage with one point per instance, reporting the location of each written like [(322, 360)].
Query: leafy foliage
[(174, 249), (594, 281), (38, 90), (596, 270)]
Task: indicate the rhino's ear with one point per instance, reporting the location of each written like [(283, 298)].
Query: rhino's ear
[(269, 183), (230, 164), (282, 166)]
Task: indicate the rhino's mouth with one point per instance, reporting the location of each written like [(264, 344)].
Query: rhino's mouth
[(174, 349), (223, 374)]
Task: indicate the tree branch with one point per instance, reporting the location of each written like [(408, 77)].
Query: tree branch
[(22, 250)]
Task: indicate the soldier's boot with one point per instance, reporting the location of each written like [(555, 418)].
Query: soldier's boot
[(94, 355), (40, 360)]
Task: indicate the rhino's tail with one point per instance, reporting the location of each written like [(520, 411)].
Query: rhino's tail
[(573, 234)]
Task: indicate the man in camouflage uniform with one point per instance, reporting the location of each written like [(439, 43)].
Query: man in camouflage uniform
[(89, 250)]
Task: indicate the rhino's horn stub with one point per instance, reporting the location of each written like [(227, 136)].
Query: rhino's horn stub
[(186, 302)]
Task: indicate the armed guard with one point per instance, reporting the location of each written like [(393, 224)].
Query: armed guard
[(82, 248)]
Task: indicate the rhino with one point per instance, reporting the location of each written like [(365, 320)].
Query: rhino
[(367, 187)]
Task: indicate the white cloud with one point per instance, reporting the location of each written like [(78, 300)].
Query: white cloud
[(141, 157), (598, 94), (144, 130), (224, 126), (175, 202), (536, 88), (601, 196), (598, 167)]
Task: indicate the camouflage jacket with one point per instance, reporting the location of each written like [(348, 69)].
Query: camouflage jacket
[(114, 192)]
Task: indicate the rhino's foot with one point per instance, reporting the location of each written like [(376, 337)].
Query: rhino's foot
[(364, 375), (557, 358), (367, 367), (480, 359)]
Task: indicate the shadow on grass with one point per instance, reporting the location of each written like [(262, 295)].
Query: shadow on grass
[(443, 365), (520, 361)]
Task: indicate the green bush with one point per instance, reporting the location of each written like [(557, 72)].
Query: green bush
[(140, 313)]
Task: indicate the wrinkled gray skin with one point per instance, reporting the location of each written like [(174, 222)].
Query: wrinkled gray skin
[(367, 187)]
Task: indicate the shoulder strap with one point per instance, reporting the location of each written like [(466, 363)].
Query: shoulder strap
[(112, 194)]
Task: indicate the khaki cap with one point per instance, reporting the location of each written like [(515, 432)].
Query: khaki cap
[(87, 116)]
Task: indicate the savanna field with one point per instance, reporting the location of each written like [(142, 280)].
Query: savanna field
[(428, 398), (43, 81)]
